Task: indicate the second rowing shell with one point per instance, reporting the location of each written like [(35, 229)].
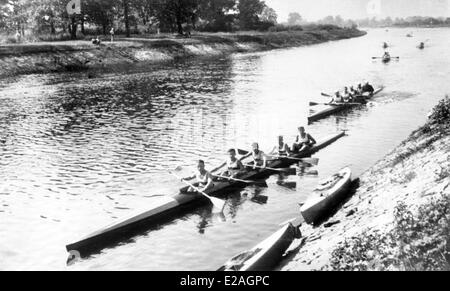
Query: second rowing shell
[(332, 109)]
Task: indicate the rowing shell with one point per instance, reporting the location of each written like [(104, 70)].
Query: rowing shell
[(329, 195), (266, 254), (166, 207), (333, 109)]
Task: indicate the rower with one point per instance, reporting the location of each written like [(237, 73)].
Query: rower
[(204, 178), (304, 141), (367, 88), (259, 157), (386, 55), (337, 98), (233, 164), (282, 149), (346, 95), (359, 89)]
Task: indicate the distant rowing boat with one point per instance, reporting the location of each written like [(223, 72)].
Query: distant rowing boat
[(167, 207), (331, 109)]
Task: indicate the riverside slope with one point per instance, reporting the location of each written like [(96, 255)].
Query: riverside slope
[(44, 57), (414, 175)]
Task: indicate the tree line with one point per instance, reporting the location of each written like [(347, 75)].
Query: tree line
[(135, 16), (419, 21)]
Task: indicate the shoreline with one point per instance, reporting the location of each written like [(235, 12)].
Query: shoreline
[(398, 217), (47, 57)]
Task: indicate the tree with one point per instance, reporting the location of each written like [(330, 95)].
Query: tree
[(101, 12), (174, 13), (216, 14), (126, 16), (145, 9), (295, 19), (268, 15), (249, 11)]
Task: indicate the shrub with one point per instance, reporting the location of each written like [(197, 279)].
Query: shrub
[(441, 113), (418, 242), (281, 27)]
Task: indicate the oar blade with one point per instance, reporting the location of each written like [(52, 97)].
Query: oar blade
[(287, 184), (218, 204), (313, 104), (310, 161), (289, 171), (261, 184)]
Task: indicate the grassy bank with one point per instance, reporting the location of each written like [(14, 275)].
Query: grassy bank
[(42, 57), (399, 219)]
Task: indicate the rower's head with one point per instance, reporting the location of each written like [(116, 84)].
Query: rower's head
[(338, 94), (301, 129), (201, 165), (255, 146), (232, 153)]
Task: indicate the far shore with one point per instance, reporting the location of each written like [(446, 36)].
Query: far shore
[(80, 55)]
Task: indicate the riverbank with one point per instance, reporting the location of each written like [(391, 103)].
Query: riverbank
[(399, 217), (83, 55)]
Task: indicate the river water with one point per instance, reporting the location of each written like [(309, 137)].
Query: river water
[(78, 153)]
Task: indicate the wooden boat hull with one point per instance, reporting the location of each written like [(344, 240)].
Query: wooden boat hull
[(166, 207), (333, 109), (267, 254), (324, 201)]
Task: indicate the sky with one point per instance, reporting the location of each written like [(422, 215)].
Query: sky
[(357, 9)]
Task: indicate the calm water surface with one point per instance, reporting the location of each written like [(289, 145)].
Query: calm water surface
[(77, 153)]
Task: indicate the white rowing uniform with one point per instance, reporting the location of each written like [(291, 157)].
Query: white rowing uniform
[(258, 158), (233, 167), (283, 150), (303, 140), (202, 179)]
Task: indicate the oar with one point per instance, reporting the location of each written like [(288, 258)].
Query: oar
[(219, 204), (287, 171), (326, 95), (333, 104), (311, 161), (374, 58), (257, 183), (287, 184)]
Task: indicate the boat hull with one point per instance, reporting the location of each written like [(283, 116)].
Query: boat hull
[(324, 201), (333, 109), (166, 207), (267, 254)]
